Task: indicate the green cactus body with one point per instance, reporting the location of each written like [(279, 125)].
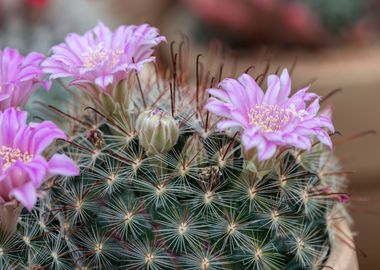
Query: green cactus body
[(196, 205)]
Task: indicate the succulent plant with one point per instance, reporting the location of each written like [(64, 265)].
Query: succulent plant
[(167, 182)]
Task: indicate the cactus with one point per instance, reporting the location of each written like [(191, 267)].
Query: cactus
[(161, 187)]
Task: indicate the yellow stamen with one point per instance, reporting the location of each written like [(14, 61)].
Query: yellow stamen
[(11, 155), (269, 118), (100, 55)]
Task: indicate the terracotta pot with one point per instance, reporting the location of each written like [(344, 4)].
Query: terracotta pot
[(342, 256)]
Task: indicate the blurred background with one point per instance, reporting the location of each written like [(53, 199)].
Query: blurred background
[(334, 42)]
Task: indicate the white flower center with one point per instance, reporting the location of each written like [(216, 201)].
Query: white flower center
[(269, 118), (99, 56), (10, 155)]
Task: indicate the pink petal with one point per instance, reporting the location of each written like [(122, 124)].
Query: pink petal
[(11, 121), (222, 125), (254, 92), (251, 137), (313, 107), (298, 99), (218, 93), (26, 195), (63, 165), (286, 86), (324, 138), (42, 135), (37, 170), (274, 88), (104, 81), (219, 108), (266, 150), (102, 32), (237, 94), (240, 117)]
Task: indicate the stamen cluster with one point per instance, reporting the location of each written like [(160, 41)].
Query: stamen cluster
[(269, 118), (11, 155)]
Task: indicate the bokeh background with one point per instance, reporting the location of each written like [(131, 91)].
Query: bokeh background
[(335, 44)]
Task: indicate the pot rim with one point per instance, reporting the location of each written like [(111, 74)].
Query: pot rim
[(343, 255)]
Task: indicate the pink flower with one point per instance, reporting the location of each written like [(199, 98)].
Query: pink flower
[(23, 168), (272, 119), (19, 77), (101, 56)]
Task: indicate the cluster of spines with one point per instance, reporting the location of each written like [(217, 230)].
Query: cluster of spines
[(189, 209)]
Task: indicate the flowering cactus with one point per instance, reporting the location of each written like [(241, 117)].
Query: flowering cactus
[(169, 182), (19, 77), (23, 168), (103, 57), (271, 119)]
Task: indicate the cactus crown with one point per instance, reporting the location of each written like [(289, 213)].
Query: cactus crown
[(162, 188)]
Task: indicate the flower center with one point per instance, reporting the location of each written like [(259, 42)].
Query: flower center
[(11, 155), (269, 118), (99, 56)]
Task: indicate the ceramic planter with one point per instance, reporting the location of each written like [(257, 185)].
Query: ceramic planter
[(342, 256)]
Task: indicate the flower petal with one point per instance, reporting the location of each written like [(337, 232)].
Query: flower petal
[(296, 120), (254, 92), (286, 86), (219, 93), (102, 56), (37, 170), (20, 77), (274, 88), (222, 125), (266, 150), (26, 195), (62, 165), (324, 138), (236, 93)]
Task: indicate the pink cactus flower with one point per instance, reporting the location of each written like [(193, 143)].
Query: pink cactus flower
[(272, 119), (20, 77), (103, 57), (23, 168)]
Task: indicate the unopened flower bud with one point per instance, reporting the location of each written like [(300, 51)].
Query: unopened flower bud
[(158, 131)]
